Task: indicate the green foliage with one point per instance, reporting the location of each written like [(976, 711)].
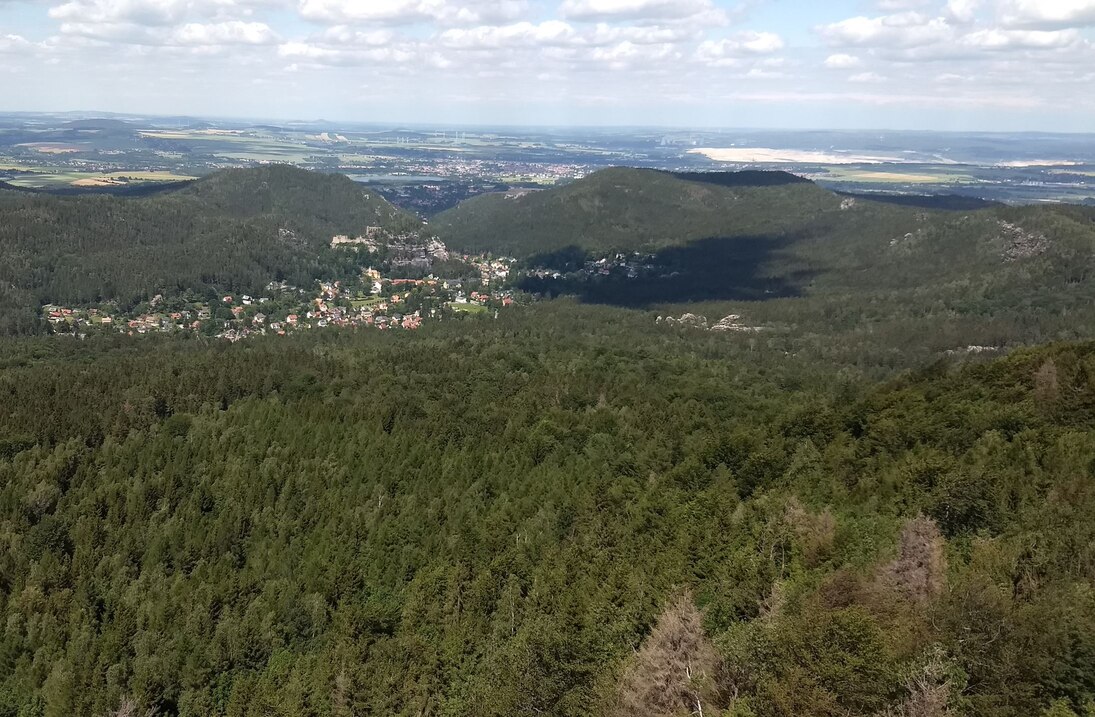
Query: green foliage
[(623, 209), (490, 522)]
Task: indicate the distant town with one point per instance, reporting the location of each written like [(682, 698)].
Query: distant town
[(374, 301)]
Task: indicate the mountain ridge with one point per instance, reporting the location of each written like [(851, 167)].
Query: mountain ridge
[(631, 210)]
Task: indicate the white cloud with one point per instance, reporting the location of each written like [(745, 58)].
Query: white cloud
[(319, 55), (1049, 14), (345, 35), (962, 11), (867, 77), (14, 43), (996, 39), (627, 54), (396, 12), (908, 29), (952, 78), (741, 45), (166, 23), (551, 32), (487, 12), (606, 34), (153, 12), (841, 61), (896, 5), (233, 32), (637, 9), (407, 12)]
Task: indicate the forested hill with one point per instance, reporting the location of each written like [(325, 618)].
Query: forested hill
[(322, 204), (634, 209), (541, 517), (235, 230)]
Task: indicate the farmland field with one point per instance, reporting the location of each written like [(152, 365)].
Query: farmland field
[(920, 175)]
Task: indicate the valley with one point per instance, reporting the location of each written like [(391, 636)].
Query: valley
[(830, 275)]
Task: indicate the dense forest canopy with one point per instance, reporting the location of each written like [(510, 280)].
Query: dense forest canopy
[(845, 506), (492, 522)]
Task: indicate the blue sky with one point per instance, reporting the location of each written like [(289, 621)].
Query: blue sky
[(1002, 65)]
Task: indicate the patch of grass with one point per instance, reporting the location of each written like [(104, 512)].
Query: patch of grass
[(468, 308), (47, 179)]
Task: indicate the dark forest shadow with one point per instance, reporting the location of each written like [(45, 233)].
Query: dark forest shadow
[(714, 269), (951, 202), (745, 178)]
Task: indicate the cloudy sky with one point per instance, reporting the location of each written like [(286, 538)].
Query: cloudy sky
[(908, 64)]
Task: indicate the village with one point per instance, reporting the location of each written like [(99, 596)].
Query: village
[(372, 301), (631, 266)]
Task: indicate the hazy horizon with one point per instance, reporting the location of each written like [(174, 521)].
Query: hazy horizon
[(439, 125)]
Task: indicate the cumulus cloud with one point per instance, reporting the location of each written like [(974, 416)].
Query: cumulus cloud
[(14, 43), (153, 12), (962, 11), (346, 35), (551, 32), (487, 12), (637, 9), (741, 45), (908, 29), (896, 5), (166, 23), (867, 77), (326, 56), (1049, 14), (396, 12), (233, 32), (842, 61), (408, 12), (996, 39)]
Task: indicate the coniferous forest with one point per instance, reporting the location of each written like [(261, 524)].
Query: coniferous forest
[(565, 510)]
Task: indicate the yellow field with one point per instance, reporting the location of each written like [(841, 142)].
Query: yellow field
[(117, 178), (166, 134), (51, 148), (895, 177), (96, 182)]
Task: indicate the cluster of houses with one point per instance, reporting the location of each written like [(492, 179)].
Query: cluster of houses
[(630, 265), (491, 270), (395, 304)]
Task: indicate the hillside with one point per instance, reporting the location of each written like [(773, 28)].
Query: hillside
[(815, 272), (633, 210), (235, 230), (375, 524)]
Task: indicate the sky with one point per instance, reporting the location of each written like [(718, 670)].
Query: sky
[(969, 65)]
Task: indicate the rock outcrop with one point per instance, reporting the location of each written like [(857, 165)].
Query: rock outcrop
[(1021, 244)]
